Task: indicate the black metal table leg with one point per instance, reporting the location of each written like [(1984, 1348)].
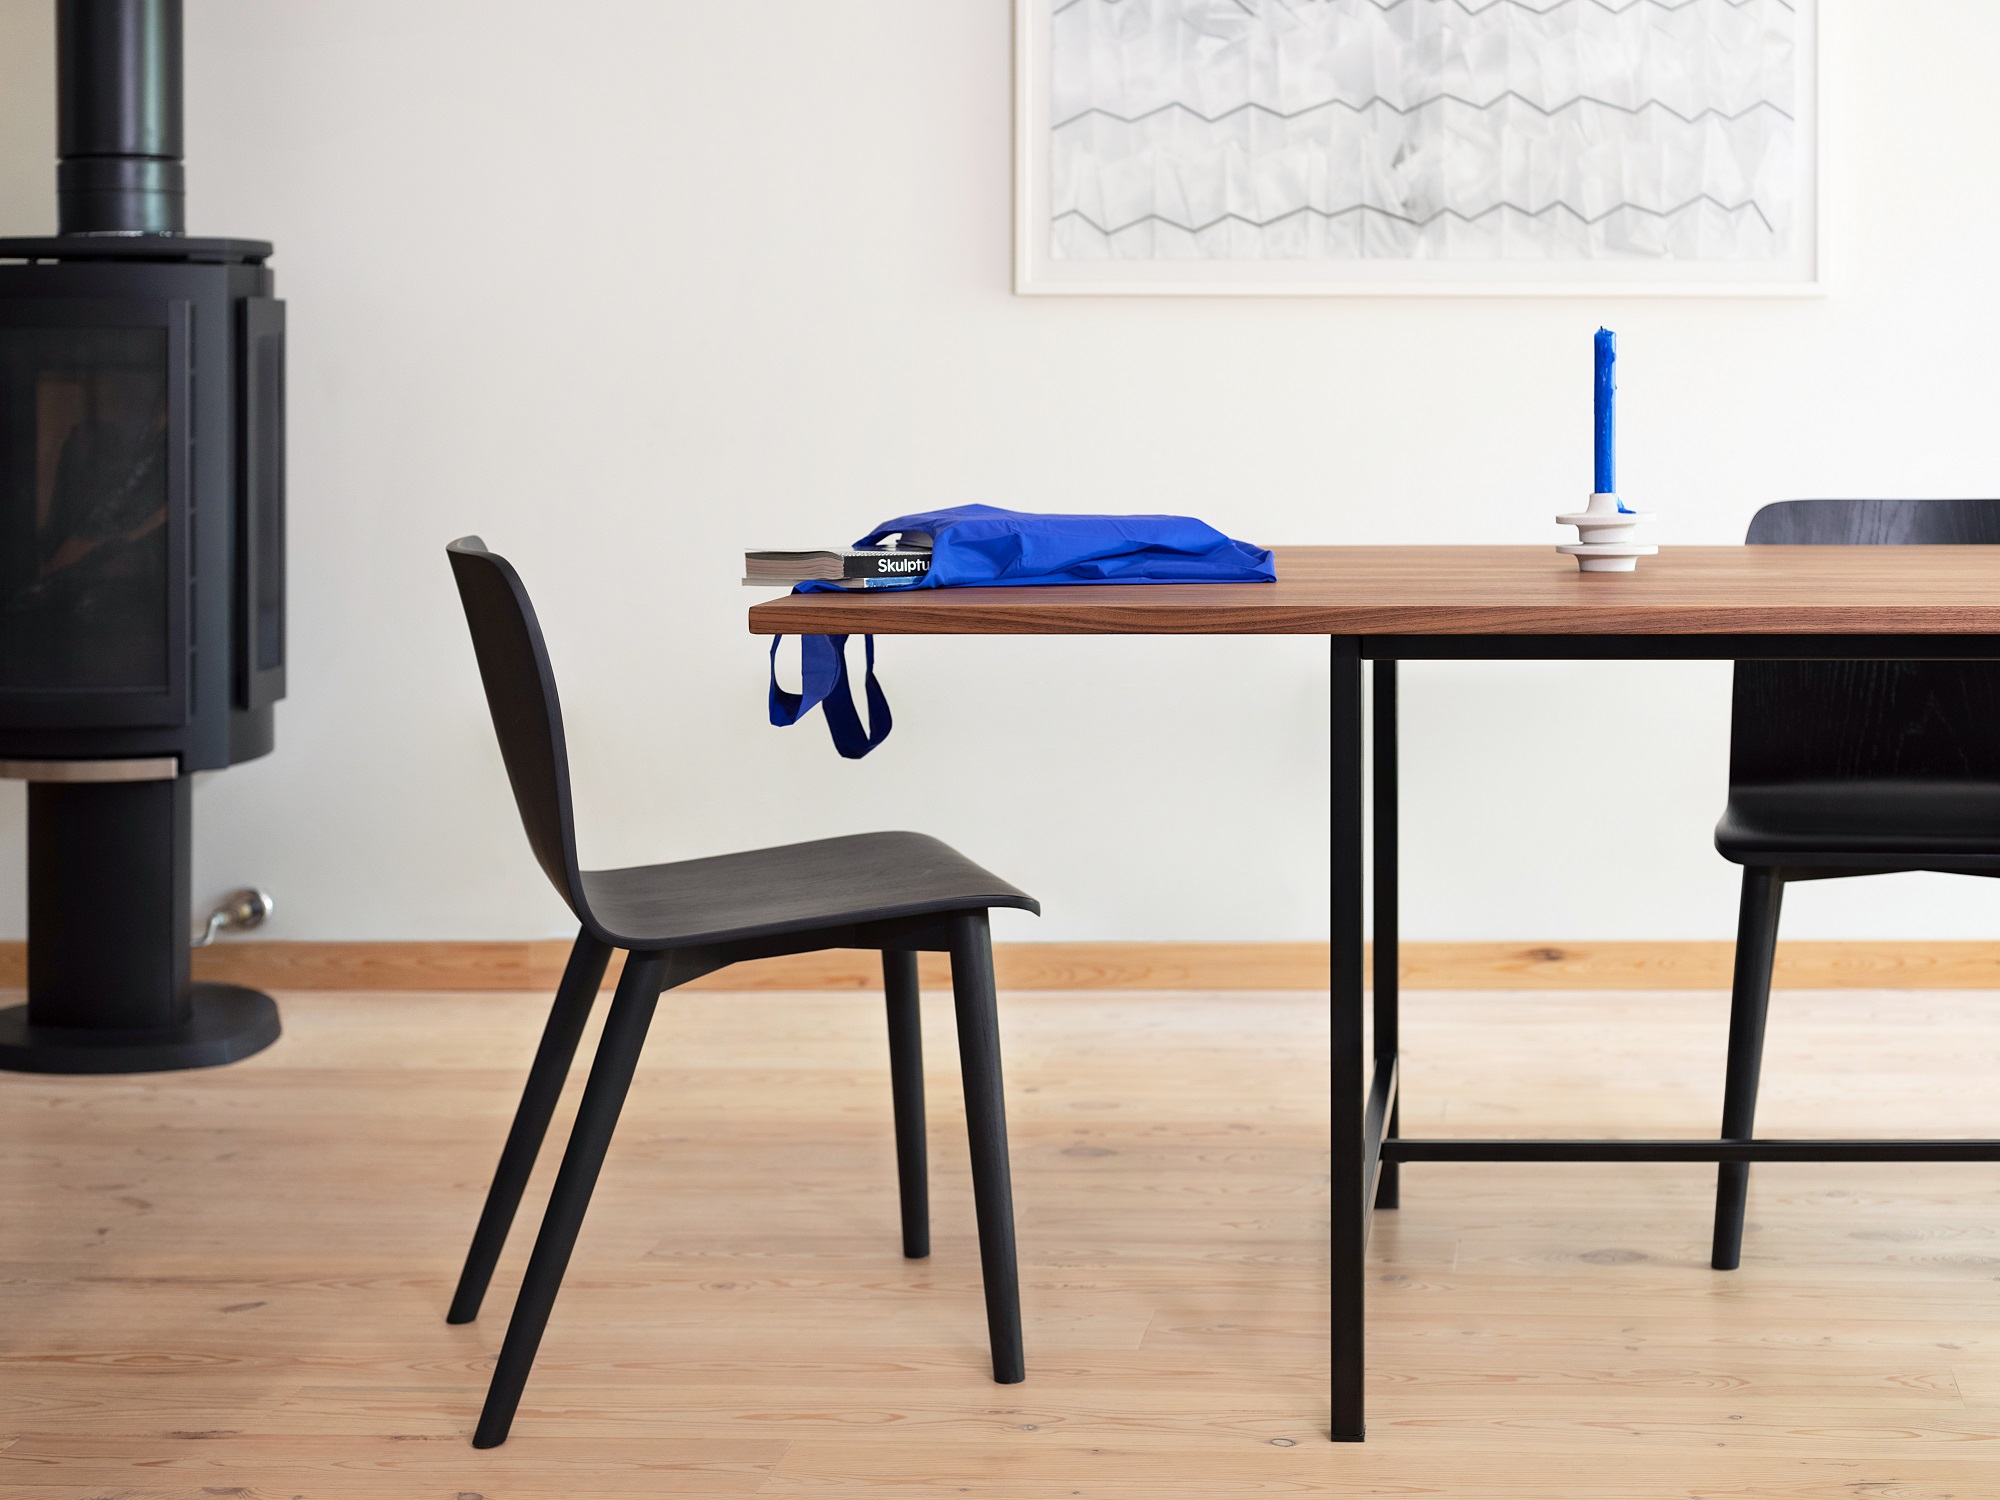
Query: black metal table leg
[(1348, 1187), (1388, 1184)]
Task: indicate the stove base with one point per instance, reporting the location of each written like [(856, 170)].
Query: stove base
[(229, 1023)]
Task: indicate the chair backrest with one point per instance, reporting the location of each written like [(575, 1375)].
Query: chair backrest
[(1868, 720), (1908, 523), (521, 693)]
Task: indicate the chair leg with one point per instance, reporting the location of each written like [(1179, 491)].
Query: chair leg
[(1749, 1003), (986, 1125), (603, 1097), (906, 1087), (580, 982)]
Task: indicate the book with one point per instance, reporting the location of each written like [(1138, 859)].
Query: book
[(838, 583), (848, 566)]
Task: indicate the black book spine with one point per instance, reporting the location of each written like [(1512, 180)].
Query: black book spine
[(887, 565)]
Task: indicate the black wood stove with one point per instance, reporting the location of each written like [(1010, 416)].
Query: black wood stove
[(142, 559)]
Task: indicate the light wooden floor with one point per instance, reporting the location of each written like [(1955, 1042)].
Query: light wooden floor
[(233, 1282)]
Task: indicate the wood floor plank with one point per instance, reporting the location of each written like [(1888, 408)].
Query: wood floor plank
[(536, 965), (404, 1464), (232, 1282)]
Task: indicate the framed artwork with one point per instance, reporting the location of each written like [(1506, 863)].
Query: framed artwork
[(1531, 147)]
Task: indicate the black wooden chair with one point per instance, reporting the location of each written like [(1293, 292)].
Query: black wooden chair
[(901, 893), (1841, 768)]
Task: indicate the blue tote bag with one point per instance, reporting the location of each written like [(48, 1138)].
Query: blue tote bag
[(982, 546)]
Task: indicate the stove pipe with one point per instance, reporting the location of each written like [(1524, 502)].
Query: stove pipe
[(118, 114)]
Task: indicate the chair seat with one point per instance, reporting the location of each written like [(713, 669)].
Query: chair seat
[(1918, 825), (865, 877)]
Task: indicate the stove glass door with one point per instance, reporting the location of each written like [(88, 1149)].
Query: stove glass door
[(92, 477)]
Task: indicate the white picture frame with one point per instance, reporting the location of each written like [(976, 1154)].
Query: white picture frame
[(1038, 272)]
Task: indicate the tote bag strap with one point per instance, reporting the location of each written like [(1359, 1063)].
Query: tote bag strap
[(823, 680)]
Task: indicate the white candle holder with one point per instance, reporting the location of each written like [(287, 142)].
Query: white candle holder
[(1604, 536)]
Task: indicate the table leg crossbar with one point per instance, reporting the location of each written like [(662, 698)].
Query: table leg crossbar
[(1404, 1149)]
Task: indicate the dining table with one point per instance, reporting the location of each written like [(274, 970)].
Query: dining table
[(1380, 605)]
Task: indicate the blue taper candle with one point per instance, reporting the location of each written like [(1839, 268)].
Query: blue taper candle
[(1606, 412)]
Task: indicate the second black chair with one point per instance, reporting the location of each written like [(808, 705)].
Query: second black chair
[(1841, 768), (901, 893)]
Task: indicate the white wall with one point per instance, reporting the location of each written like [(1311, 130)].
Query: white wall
[(628, 285)]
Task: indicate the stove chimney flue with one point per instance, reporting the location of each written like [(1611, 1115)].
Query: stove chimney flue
[(118, 114)]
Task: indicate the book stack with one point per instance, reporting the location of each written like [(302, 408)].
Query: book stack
[(846, 567)]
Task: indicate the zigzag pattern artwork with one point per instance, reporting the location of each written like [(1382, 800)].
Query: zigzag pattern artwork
[(1481, 130)]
